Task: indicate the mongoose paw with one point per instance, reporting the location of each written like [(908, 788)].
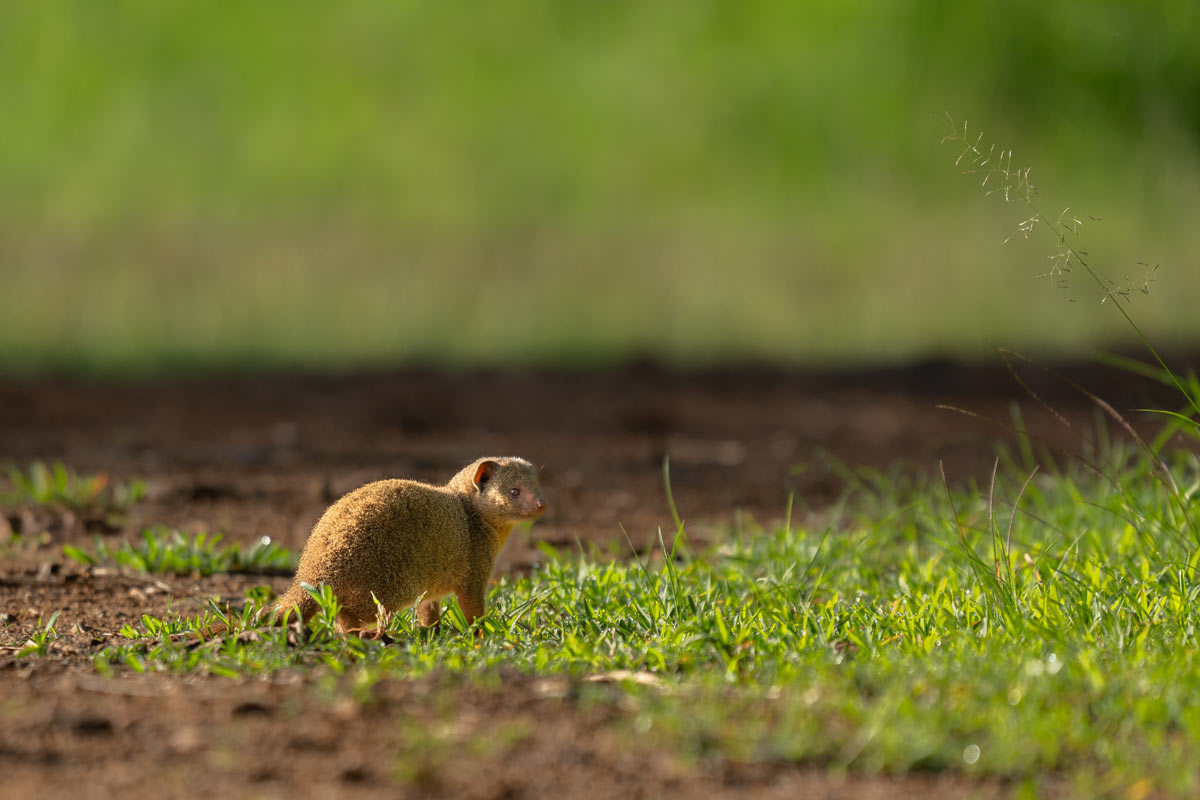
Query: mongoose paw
[(373, 633)]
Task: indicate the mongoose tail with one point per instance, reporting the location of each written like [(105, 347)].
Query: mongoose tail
[(295, 599)]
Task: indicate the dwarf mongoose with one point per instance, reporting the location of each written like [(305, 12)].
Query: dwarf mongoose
[(406, 541)]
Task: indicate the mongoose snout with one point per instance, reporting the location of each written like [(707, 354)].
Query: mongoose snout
[(401, 541)]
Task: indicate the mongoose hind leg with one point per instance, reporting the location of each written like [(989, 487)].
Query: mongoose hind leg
[(357, 614), (471, 601), (429, 613)]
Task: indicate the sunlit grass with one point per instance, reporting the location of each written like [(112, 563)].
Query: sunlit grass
[(917, 633), (56, 485), (163, 549)]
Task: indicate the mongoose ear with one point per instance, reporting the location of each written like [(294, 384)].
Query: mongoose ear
[(483, 473)]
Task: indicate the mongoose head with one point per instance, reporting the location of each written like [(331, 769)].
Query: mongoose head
[(503, 490)]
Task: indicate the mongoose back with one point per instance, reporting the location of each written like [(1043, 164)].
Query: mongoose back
[(406, 541)]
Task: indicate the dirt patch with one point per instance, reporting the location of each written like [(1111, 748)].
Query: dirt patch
[(255, 457), (264, 457), (91, 737)]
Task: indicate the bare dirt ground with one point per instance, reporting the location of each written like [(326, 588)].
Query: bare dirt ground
[(255, 457)]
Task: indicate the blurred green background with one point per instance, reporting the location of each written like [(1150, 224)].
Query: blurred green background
[(366, 184)]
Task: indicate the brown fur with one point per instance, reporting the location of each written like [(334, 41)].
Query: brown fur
[(406, 541)]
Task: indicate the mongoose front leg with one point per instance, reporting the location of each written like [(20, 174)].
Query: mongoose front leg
[(354, 623), (429, 613), (471, 601)]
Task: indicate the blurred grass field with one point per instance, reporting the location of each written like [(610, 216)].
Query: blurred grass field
[(221, 185)]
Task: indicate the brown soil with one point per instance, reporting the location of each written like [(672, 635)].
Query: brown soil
[(256, 457)]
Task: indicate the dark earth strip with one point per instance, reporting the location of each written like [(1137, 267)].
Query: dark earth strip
[(263, 456)]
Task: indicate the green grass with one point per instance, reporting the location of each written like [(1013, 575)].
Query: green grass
[(163, 549), (41, 638), (918, 631), (547, 183), (56, 485)]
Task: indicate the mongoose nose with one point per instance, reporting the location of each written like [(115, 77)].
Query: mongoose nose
[(539, 505)]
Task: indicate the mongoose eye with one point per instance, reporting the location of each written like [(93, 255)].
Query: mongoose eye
[(515, 492)]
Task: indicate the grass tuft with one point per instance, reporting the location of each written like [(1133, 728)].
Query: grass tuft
[(163, 549), (55, 485), (41, 638)]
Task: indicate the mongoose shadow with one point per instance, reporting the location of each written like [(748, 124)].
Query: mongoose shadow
[(404, 541)]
